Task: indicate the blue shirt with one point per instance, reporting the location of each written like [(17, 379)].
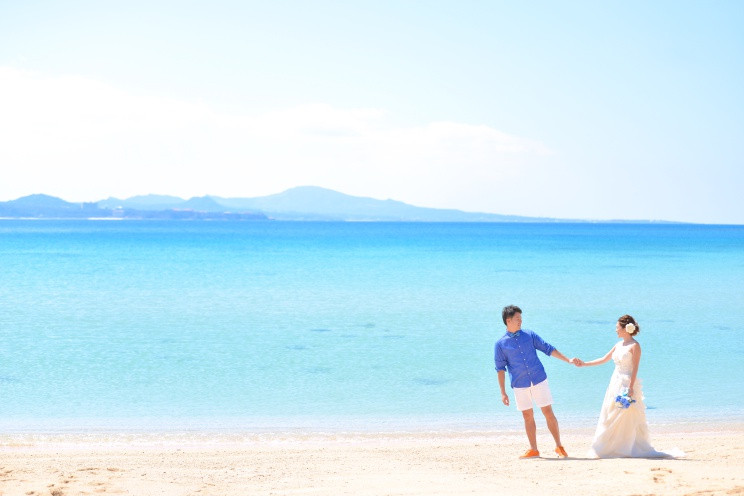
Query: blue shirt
[(517, 353)]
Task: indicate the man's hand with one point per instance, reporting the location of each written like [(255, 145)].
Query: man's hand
[(505, 399), (577, 361)]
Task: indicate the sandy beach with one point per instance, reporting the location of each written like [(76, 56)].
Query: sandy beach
[(446, 463)]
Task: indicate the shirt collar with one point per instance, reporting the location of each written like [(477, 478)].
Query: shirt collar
[(514, 334)]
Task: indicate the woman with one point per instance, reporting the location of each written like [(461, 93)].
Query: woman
[(622, 430)]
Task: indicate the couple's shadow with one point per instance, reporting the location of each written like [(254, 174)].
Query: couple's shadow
[(572, 458), (589, 459)]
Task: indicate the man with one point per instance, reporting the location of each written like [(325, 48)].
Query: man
[(516, 352)]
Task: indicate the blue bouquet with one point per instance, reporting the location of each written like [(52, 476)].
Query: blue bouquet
[(623, 400)]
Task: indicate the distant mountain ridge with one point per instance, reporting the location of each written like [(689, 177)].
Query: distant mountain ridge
[(313, 203), (46, 206), (303, 203), (49, 207)]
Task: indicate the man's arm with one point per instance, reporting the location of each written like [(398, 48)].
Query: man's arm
[(502, 385), (561, 356), (550, 350)]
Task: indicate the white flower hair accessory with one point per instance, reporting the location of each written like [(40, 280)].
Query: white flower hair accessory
[(629, 328)]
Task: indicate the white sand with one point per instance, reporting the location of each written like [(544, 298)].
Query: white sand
[(365, 464)]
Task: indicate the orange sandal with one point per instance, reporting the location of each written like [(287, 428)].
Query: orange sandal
[(561, 452), (530, 453)]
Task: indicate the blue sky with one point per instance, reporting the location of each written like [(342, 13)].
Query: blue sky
[(600, 110)]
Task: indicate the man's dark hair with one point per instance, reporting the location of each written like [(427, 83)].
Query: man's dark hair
[(509, 311)]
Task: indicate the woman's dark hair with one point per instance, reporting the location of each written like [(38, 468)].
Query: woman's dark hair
[(509, 311), (627, 319)]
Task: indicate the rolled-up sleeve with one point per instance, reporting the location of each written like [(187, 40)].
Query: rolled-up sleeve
[(541, 345), (499, 358)]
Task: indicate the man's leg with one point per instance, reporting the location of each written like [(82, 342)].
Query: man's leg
[(552, 424), (530, 427)]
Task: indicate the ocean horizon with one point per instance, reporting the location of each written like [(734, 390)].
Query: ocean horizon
[(324, 326)]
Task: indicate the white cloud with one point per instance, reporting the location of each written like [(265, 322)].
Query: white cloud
[(83, 140)]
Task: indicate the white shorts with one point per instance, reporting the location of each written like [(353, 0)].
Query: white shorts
[(539, 393)]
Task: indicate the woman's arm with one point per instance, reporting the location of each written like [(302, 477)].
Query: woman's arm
[(599, 361), (635, 350)]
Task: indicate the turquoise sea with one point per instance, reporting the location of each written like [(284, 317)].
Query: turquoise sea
[(282, 326)]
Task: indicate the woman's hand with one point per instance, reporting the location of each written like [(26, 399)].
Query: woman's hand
[(630, 392)]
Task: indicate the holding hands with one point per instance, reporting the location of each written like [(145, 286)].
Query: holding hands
[(577, 361)]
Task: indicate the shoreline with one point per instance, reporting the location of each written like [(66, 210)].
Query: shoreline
[(502, 422), (198, 439), (391, 463)]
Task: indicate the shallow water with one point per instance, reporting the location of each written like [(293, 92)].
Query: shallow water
[(330, 326)]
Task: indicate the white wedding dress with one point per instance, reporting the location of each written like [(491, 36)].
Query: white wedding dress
[(623, 432)]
